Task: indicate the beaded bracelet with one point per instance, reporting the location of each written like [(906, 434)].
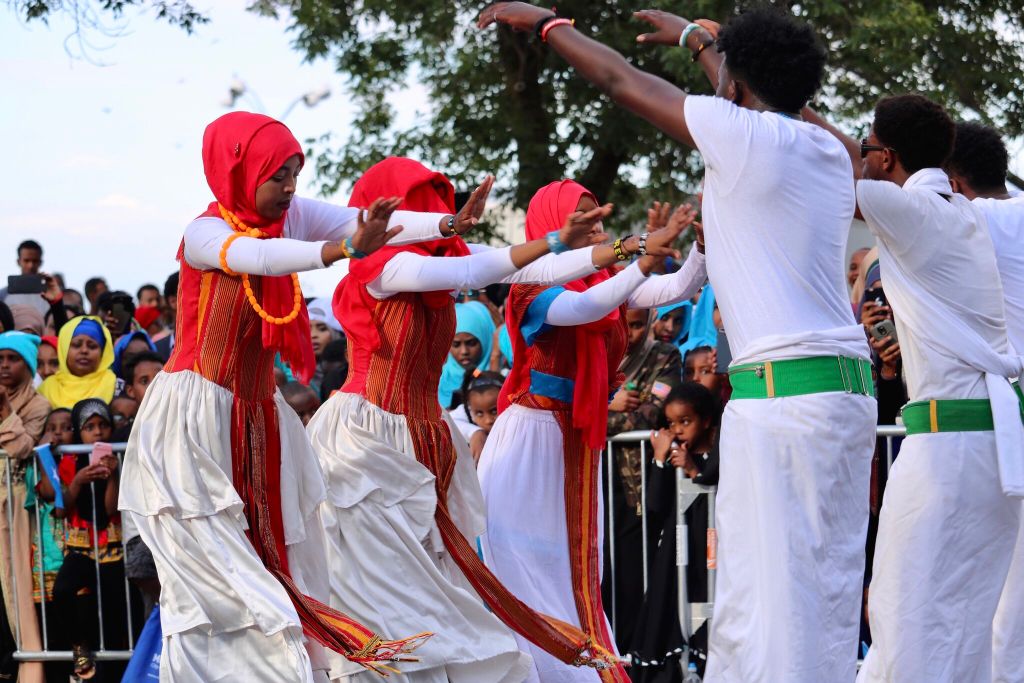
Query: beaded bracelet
[(555, 243)]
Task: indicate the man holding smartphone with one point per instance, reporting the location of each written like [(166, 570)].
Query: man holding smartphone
[(952, 505), (977, 170), (27, 289)]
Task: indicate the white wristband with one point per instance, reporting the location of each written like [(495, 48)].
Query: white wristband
[(690, 28)]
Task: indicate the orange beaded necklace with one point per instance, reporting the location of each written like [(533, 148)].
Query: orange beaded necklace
[(243, 230)]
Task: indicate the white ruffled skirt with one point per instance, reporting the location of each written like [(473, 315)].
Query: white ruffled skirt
[(522, 474), (224, 616), (390, 569)]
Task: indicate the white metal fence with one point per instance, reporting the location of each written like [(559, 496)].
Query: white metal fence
[(46, 654), (691, 615)]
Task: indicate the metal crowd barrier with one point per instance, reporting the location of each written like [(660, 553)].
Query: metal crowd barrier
[(46, 654), (691, 615)]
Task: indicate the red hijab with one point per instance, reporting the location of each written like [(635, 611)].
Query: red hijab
[(548, 209), (421, 190), (241, 151)]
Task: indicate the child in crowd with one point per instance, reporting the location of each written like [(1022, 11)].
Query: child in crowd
[(671, 323), (481, 399), (123, 409), (302, 399), (471, 350), (700, 366), (475, 417), (93, 533), (138, 371), (47, 534), (687, 440), (47, 363), (324, 330)]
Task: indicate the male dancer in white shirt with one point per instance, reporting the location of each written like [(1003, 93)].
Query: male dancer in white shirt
[(951, 508), (798, 434), (977, 170)]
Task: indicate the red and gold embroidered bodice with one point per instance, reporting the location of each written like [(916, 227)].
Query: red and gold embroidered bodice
[(401, 371), (219, 336)]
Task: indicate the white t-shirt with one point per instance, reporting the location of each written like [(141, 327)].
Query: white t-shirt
[(944, 247), (778, 204), (1006, 228)]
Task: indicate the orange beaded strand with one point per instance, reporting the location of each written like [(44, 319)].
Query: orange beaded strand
[(243, 230)]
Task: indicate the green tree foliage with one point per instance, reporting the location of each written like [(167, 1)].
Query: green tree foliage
[(506, 103)]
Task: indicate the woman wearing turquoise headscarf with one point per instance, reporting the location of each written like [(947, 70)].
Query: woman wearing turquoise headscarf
[(702, 324), (471, 348), (672, 322)]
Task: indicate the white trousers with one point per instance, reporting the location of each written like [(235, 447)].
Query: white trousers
[(792, 515), (945, 540), (1008, 627)]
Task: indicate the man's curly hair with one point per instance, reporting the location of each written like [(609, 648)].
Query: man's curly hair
[(779, 58), (979, 156), (919, 130)]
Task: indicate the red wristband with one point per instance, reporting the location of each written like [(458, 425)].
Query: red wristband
[(561, 21)]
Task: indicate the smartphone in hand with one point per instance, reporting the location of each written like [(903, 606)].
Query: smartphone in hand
[(100, 450)]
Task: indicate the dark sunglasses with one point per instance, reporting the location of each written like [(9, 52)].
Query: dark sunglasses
[(866, 147)]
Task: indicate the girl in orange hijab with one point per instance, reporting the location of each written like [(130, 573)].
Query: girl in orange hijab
[(219, 478), (539, 467)]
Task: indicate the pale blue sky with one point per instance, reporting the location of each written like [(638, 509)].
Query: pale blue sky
[(103, 162)]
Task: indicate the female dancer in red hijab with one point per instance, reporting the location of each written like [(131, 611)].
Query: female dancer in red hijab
[(404, 506), (539, 468), (219, 478)]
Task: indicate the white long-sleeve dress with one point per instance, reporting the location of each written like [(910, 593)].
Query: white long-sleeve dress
[(522, 471), (390, 567), (224, 616)]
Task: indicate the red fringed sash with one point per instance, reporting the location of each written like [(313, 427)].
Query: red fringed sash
[(256, 451), (434, 450), (582, 466)]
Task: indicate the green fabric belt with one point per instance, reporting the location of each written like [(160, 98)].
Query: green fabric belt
[(799, 376), (953, 415)]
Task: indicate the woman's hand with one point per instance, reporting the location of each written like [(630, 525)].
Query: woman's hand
[(872, 313), (888, 350), (668, 27), (658, 215), (624, 401), (519, 15), (659, 246), (471, 212), (580, 229), (371, 230)]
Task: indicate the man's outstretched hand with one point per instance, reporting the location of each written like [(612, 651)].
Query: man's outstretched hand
[(519, 15)]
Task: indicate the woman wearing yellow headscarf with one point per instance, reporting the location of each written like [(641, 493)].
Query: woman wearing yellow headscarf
[(85, 352)]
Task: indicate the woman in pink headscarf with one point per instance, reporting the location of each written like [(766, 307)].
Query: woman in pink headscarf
[(539, 468)]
